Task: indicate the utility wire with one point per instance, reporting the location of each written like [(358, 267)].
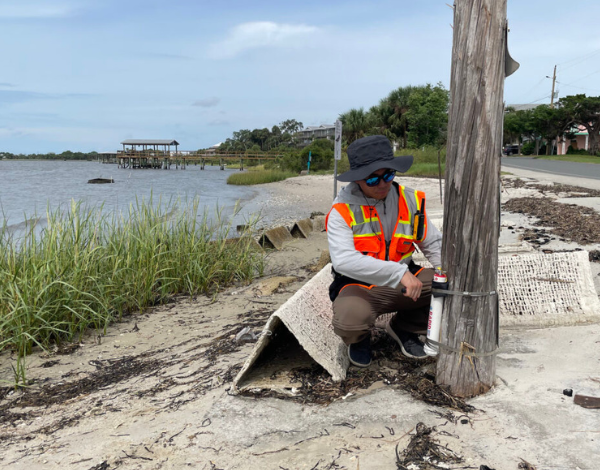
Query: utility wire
[(578, 87), (535, 86), (582, 78), (578, 60)]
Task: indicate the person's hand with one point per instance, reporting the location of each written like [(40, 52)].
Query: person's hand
[(413, 286)]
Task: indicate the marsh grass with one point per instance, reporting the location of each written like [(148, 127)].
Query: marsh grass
[(259, 177), (86, 269)]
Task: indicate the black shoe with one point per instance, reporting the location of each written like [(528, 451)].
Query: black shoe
[(410, 343), (360, 353)]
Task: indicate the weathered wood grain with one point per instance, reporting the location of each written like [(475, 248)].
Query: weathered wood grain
[(472, 197)]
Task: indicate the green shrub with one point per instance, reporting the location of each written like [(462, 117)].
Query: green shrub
[(572, 151), (321, 152), (528, 148)]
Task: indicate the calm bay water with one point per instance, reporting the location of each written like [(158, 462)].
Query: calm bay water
[(28, 188)]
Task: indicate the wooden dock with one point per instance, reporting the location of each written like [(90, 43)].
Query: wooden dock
[(134, 159), (159, 154)]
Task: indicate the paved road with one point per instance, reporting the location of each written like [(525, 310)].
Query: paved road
[(556, 167)]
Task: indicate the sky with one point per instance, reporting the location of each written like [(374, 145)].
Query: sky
[(83, 75)]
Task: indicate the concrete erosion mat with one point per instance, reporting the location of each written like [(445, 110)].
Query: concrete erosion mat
[(155, 391)]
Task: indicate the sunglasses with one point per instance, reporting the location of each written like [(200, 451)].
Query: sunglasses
[(373, 181)]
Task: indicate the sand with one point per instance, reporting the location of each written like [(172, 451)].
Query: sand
[(153, 392)]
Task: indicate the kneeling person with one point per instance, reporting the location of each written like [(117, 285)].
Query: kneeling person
[(372, 230)]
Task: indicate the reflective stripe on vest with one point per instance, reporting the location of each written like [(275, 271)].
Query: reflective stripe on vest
[(367, 230)]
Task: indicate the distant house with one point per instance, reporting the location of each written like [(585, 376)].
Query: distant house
[(307, 135), (213, 149), (579, 142)]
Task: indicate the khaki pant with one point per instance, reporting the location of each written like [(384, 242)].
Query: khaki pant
[(357, 307)]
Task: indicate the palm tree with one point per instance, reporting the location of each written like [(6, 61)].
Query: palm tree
[(378, 117), (355, 124), (397, 101)]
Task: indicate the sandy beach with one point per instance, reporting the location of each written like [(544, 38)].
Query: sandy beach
[(154, 391)]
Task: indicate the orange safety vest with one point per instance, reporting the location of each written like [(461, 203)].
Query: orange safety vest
[(368, 231)]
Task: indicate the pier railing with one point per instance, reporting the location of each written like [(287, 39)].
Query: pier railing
[(158, 159)]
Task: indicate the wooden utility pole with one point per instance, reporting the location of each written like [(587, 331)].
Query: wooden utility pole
[(549, 145), (472, 197), (553, 86)]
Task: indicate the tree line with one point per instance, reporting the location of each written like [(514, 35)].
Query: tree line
[(411, 116), (66, 155), (535, 129), (281, 136)]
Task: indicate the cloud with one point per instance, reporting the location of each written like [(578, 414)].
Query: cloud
[(207, 102), (7, 85), (26, 9), (256, 35)]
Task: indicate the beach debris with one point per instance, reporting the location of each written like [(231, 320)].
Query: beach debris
[(561, 218), (423, 452), (565, 190), (246, 336), (313, 384), (568, 392), (101, 466), (275, 238), (587, 401), (525, 465), (302, 228), (270, 285)]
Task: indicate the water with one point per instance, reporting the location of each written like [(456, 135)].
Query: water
[(28, 188)]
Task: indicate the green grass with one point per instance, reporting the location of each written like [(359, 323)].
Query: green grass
[(570, 158), (425, 161), (259, 177), (86, 269), (428, 170)]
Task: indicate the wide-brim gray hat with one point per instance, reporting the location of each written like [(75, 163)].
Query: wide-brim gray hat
[(370, 154)]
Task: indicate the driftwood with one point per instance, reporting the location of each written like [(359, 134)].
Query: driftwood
[(472, 197)]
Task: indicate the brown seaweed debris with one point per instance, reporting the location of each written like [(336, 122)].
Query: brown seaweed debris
[(568, 221), (572, 191), (389, 366), (424, 453)]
